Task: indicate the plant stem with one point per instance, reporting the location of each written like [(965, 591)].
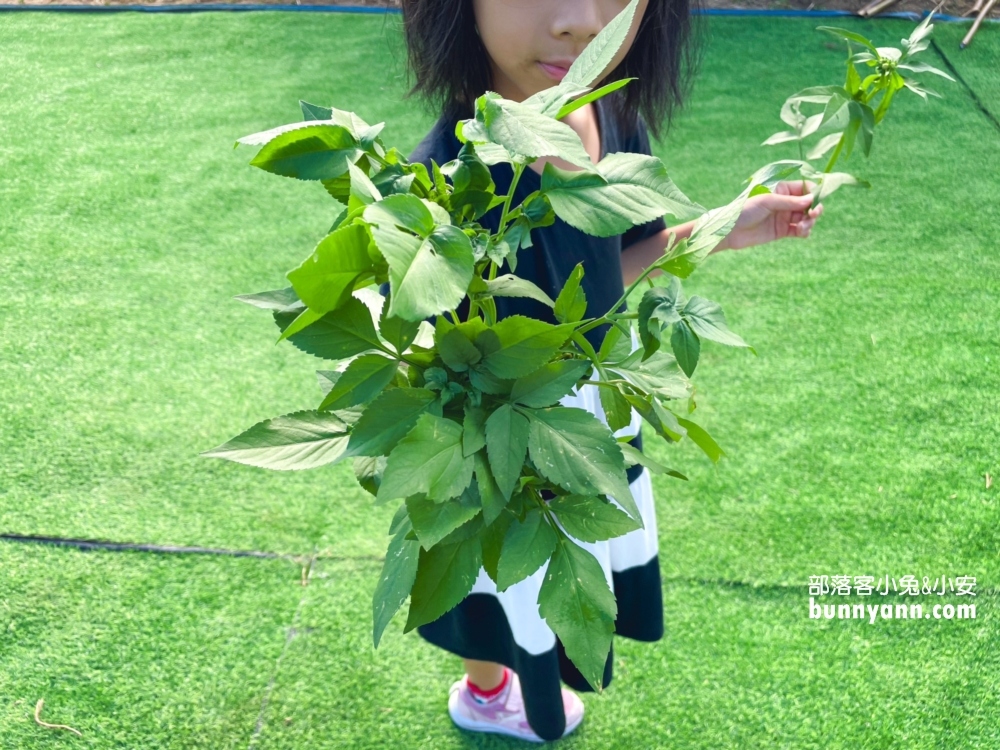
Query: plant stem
[(398, 355), (835, 156), (582, 342), (605, 383), (518, 170), (631, 287), (802, 157)]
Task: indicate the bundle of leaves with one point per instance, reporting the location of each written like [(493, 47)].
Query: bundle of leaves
[(457, 420)]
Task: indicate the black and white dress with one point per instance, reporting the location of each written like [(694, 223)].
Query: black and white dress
[(507, 627)]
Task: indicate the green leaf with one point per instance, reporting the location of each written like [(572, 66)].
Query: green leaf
[(823, 146), (549, 101), (399, 333), (708, 321), (302, 320), (661, 420), (324, 281), (626, 190), (591, 518), (659, 374), (861, 122), (473, 430), (506, 444), (518, 345), (848, 35), (918, 88), (571, 304), (469, 529), (368, 470), (426, 276), (686, 346), (492, 541), (616, 408), (301, 440), (428, 460), (509, 285), (829, 182), (445, 576), (549, 383), (916, 41), (399, 571), (468, 172), (393, 180), (307, 152), (522, 130), (362, 187), (526, 547), (364, 379), (491, 497), (457, 352), (277, 299), (537, 211), (591, 97), (578, 605), (924, 68), (314, 111), (658, 308), (400, 517), (617, 345), (634, 456), (487, 382), (572, 448), (387, 419), (434, 521), (702, 439), (403, 211), (339, 334), (590, 66)]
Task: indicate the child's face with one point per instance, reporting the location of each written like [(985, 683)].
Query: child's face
[(532, 43)]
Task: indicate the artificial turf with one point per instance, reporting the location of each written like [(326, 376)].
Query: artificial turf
[(858, 439)]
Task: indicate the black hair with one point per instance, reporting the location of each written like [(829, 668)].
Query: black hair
[(451, 66)]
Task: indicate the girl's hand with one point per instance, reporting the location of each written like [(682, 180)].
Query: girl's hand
[(773, 216)]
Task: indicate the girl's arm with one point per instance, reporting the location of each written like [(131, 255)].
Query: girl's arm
[(765, 218), (639, 256)]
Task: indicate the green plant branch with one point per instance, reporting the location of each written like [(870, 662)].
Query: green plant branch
[(518, 170)]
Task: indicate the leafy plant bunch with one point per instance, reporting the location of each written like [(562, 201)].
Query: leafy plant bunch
[(459, 421), (849, 113)]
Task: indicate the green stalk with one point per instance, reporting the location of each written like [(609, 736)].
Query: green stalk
[(518, 169), (582, 342), (631, 287), (802, 157), (836, 154)]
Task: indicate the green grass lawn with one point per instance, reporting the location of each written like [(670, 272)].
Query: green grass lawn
[(857, 440)]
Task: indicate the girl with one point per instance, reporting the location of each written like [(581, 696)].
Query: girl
[(458, 49)]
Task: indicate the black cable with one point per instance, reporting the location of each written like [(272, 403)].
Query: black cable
[(958, 76)]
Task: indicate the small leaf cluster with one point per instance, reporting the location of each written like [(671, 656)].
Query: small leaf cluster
[(849, 113), (456, 419)]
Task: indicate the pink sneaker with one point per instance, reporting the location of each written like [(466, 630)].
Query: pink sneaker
[(505, 714)]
